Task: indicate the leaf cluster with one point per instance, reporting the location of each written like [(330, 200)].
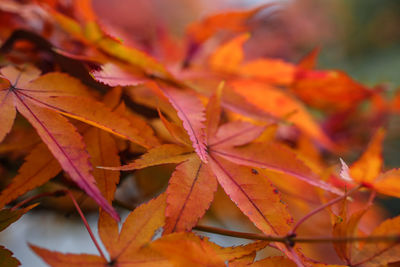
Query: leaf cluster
[(233, 136)]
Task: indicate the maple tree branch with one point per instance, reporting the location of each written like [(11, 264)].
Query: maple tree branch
[(85, 223), (315, 211), (292, 239)]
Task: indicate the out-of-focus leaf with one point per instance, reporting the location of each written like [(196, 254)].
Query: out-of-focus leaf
[(369, 165), (381, 253), (58, 259), (329, 90), (7, 259), (281, 105)]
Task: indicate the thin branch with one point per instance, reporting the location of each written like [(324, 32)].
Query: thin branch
[(315, 211), (293, 239), (86, 223), (289, 239)]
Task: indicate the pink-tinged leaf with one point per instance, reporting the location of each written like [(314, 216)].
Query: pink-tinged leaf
[(192, 113), (7, 114), (235, 133), (58, 259), (66, 145), (113, 75), (255, 196), (98, 115), (189, 194), (274, 157), (39, 167), (164, 154)]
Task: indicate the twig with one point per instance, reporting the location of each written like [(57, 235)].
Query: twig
[(315, 211), (86, 223), (293, 239)]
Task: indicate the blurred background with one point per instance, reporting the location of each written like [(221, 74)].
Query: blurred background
[(361, 37)]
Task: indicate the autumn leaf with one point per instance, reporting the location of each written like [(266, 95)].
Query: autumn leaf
[(345, 226), (189, 194), (7, 259), (229, 57), (93, 35), (192, 113), (57, 133), (281, 105), (369, 165), (190, 183), (235, 21), (332, 91), (39, 167), (367, 170), (380, 253), (9, 216), (125, 247), (197, 251)]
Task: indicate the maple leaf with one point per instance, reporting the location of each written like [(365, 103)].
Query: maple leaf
[(125, 247), (40, 165), (329, 90), (200, 31), (280, 104), (38, 99), (381, 253), (193, 183), (229, 57), (191, 112), (367, 170), (133, 246), (106, 47), (345, 226)]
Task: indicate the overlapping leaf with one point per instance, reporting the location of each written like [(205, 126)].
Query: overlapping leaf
[(37, 99)]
